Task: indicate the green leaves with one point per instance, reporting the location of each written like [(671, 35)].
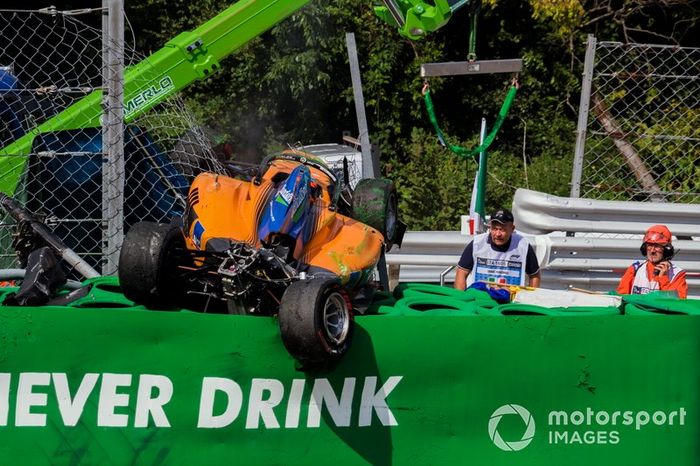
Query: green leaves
[(293, 84)]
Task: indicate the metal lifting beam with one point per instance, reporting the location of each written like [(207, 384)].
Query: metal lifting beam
[(454, 68)]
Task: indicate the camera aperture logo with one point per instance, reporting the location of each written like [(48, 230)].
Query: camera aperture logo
[(527, 435), (586, 426)]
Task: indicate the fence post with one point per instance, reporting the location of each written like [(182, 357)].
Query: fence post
[(583, 116), (112, 133), (368, 164)]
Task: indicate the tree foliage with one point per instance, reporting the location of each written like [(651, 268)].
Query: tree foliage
[(292, 85)]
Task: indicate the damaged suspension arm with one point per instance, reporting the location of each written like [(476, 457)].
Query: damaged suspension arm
[(32, 234)]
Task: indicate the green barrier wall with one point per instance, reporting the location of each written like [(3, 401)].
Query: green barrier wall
[(120, 386)]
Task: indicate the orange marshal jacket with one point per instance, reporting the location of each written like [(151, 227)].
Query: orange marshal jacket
[(678, 283)]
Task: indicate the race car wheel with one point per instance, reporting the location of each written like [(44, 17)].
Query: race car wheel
[(147, 269), (375, 204), (316, 321)]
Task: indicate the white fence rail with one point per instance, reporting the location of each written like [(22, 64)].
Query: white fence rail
[(583, 261), (590, 263), (539, 213)]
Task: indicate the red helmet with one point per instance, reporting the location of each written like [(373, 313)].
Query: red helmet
[(658, 234)]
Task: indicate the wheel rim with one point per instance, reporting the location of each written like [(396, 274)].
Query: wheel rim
[(336, 318)]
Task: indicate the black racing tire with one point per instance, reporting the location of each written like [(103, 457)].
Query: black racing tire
[(147, 268), (375, 203), (316, 321)]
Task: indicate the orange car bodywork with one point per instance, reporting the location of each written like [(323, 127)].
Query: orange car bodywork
[(231, 208)]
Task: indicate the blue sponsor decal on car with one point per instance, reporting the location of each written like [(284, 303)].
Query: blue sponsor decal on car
[(197, 234)]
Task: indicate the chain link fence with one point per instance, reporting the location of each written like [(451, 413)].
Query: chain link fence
[(52, 155), (642, 141)]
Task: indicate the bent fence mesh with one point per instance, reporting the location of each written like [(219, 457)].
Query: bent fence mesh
[(643, 136), (51, 157)]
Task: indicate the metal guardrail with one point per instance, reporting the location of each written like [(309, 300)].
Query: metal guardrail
[(590, 263), (540, 213)]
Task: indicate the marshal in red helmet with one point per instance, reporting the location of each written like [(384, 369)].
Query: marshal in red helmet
[(656, 272)]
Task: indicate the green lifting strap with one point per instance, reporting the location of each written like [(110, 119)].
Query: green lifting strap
[(461, 151), (473, 16)]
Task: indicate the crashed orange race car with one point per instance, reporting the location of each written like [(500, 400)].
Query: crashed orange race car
[(288, 238)]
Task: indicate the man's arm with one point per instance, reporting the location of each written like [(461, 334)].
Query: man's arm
[(532, 268), (461, 278), (464, 266), (625, 286), (678, 284)]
